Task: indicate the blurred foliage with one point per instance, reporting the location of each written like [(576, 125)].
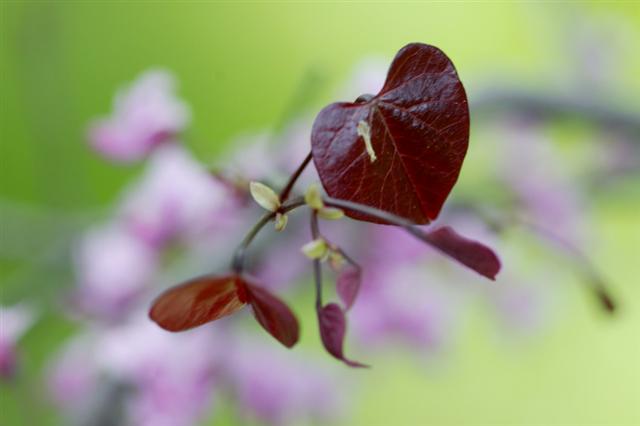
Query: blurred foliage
[(239, 66)]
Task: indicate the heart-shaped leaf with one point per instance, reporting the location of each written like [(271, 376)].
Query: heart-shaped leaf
[(273, 315), (470, 253), (333, 325), (198, 301), (401, 150)]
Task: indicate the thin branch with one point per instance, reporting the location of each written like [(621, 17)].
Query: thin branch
[(284, 194), (557, 105), (237, 263), (317, 267)]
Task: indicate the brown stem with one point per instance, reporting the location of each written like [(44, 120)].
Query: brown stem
[(237, 262), (317, 267), (284, 194)]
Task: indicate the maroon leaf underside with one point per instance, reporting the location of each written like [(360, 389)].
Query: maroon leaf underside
[(419, 131), (197, 302), (273, 315), (469, 252), (348, 285), (333, 325)]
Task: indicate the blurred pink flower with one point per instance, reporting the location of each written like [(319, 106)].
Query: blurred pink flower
[(280, 387), (113, 267), (73, 373), (145, 114), (547, 194), (176, 197), (172, 374), (14, 322), (403, 303)]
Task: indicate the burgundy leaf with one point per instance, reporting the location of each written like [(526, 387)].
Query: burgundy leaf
[(348, 285), (333, 326), (400, 151), (197, 302), (273, 315), (470, 253)]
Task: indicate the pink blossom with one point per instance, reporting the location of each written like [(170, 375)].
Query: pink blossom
[(145, 114), (73, 374), (14, 322), (113, 268), (172, 374), (176, 197), (280, 387)]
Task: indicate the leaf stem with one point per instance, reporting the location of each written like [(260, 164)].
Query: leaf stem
[(317, 267), (237, 262), (286, 191)]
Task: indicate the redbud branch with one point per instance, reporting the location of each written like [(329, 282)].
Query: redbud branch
[(317, 267), (593, 278), (284, 194), (237, 263)]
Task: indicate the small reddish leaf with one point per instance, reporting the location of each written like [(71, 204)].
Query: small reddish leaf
[(197, 302), (348, 285), (333, 325), (400, 151), (470, 253), (273, 315)]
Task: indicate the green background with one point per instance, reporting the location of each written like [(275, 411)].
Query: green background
[(239, 64)]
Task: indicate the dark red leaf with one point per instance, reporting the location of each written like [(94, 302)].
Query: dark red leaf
[(274, 315), (419, 131), (470, 253), (333, 325), (197, 302), (348, 285)]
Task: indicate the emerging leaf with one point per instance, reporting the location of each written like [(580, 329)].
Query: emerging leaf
[(332, 330), (281, 221), (316, 249), (273, 315), (401, 150), (198, 301), (313, 198), (330, 213), (348, 285), (265, 196), (470, 253)]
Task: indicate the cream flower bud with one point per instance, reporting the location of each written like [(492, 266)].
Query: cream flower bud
[(316, 249), (281, 221), (330, 213), (265, 196), (313, 197)]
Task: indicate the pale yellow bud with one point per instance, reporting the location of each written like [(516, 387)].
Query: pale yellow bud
[(330, 213), (313, 197), (265, 196), (281, 221), (316, 249)]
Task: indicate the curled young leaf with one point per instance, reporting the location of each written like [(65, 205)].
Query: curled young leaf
[(273, 315), (470, 253), (400, 151), (348, 285), (198, 301), (333, 325)]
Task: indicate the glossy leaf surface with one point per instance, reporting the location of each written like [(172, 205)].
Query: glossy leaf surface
[(400, 151), (273, 315), (198, 301), (333, 325), (469, 252)]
